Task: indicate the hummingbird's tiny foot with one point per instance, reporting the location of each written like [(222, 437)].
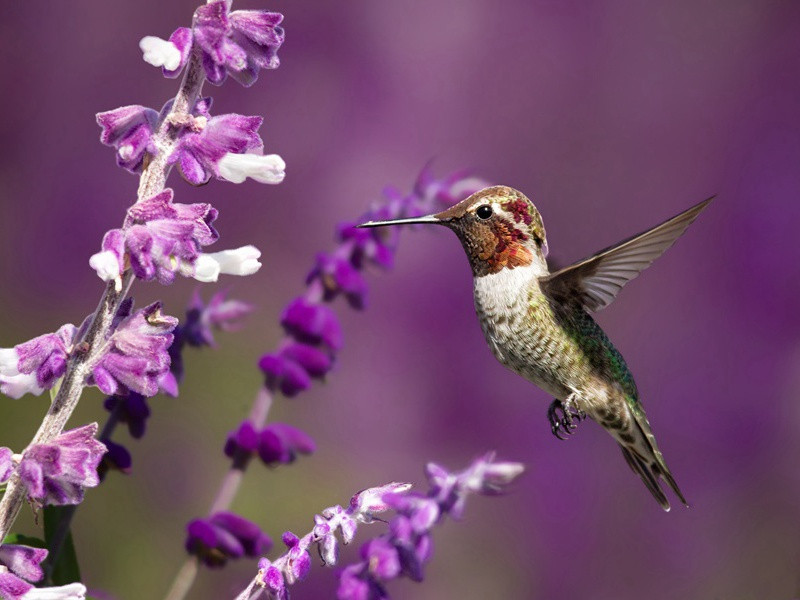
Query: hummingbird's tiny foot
[(562, 417)]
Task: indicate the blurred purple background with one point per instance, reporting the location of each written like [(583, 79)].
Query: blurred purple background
[(612, 117)]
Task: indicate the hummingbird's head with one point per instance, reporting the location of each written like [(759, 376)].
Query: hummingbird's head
[(499, 228)]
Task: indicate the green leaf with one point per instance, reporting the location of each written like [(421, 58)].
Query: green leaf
[(61, 566), (24, 540)]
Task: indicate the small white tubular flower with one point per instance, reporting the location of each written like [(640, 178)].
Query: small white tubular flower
[(72, 591), (106, 264), (9, 359), (16, 386), (160, 53), (263, 168), (240, 261)]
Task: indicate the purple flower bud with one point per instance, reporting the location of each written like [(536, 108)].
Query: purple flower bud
[(239, 43), (225, 536), (373, 500), (352, 586), (57, 472), (138, 353), (23, 561), (298, 561), (339, 275), (281, 443), (316, 362), (117, 458), (131, 409), (336, 516), (375, 245), (129, 129), (6, 464), (312, 323), (272, 577), (242, 441), (284, 374), (220, 313), (381, 558)]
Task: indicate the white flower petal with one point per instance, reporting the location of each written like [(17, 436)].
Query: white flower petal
[(17, 386), (160, 53), (9, 359), (106, 265), (269, 168), (239, 261), (72, 591)]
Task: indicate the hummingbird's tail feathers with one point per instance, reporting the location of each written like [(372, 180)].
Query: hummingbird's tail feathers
[(646, 460), (647, 473)]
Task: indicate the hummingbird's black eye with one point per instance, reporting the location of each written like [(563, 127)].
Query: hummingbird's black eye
[(484, 211)]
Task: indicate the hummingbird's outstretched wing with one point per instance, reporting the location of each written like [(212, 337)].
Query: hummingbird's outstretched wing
[(595, 281)]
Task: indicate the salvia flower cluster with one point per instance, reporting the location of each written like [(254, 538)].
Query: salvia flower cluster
[(401, 551), (128, 353)]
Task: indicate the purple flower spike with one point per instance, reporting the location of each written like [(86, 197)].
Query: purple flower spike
[(225, 536), (312, 323), (57, 472), (138, 353), (281, 443), (129, 129), (171, 55), (353, 587), (272, 578), (219, 313), (315, 361), (339, 275), (239, 43)]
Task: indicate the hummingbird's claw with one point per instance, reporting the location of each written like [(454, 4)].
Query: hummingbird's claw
[(562, 418)]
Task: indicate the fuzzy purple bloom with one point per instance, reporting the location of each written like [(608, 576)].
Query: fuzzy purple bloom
[(6, 464), (339, 275), (137, 355), (36, 365), (57, 472), (220, 313), (237, 43), (160, 239), (280, 443), (312, 323), (199, 153), (23, 561), (242, 443), (129, 129), (225, 536), (117, 458), (171, 55)]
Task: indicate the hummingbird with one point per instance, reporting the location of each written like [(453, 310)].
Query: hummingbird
[(538, 323)]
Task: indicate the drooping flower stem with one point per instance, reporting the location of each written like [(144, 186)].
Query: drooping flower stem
[(227, 492), (151, 182)]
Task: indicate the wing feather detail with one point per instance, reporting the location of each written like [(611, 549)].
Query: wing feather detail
[(595, 281)]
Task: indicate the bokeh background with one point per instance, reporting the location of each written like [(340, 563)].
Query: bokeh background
[(612, 116)]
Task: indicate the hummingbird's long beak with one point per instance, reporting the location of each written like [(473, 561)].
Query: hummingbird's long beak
[(411, 221)]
